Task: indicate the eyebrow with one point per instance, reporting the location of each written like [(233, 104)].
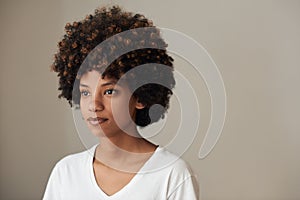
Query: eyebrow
[(102, 85)]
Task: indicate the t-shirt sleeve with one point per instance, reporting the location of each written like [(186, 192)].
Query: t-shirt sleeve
[(52, 191), (186, 190)]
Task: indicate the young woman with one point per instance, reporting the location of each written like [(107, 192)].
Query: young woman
[(113, 101)]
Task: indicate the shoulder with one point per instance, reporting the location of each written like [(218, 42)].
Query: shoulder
[(75, 159), (178, 175), (170, 163), (71, 159)]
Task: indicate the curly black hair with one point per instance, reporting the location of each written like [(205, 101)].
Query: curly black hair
[(80, 44)]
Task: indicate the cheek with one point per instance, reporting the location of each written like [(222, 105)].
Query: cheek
[(123, 111), (83, 108)]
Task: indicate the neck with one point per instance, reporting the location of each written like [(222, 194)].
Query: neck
[(124, 143), (124, 150)]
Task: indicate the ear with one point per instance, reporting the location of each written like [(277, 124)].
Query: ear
[(139, 105)]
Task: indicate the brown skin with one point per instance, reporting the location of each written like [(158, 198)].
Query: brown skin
[(121, 148), (122, 151), (82, 39)]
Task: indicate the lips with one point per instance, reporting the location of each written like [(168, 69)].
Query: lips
[(96, 120)]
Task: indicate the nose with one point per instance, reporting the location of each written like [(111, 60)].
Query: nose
[(96, 105)]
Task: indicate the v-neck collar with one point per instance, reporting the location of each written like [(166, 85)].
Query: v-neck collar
[(123, 191)]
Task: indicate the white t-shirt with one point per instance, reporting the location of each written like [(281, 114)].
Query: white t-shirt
[(163, 177)]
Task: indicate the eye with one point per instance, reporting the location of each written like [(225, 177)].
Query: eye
[(85, 93), (110, 92)]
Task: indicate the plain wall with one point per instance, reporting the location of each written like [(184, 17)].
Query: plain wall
[(256, 46)]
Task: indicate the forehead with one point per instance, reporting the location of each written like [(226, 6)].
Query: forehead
[(94, 78)]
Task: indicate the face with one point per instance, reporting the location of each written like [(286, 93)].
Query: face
[(107, 107)]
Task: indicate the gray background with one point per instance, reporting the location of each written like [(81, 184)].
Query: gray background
[(256, 46)]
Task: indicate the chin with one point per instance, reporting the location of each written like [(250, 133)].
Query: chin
[(101, 134)]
